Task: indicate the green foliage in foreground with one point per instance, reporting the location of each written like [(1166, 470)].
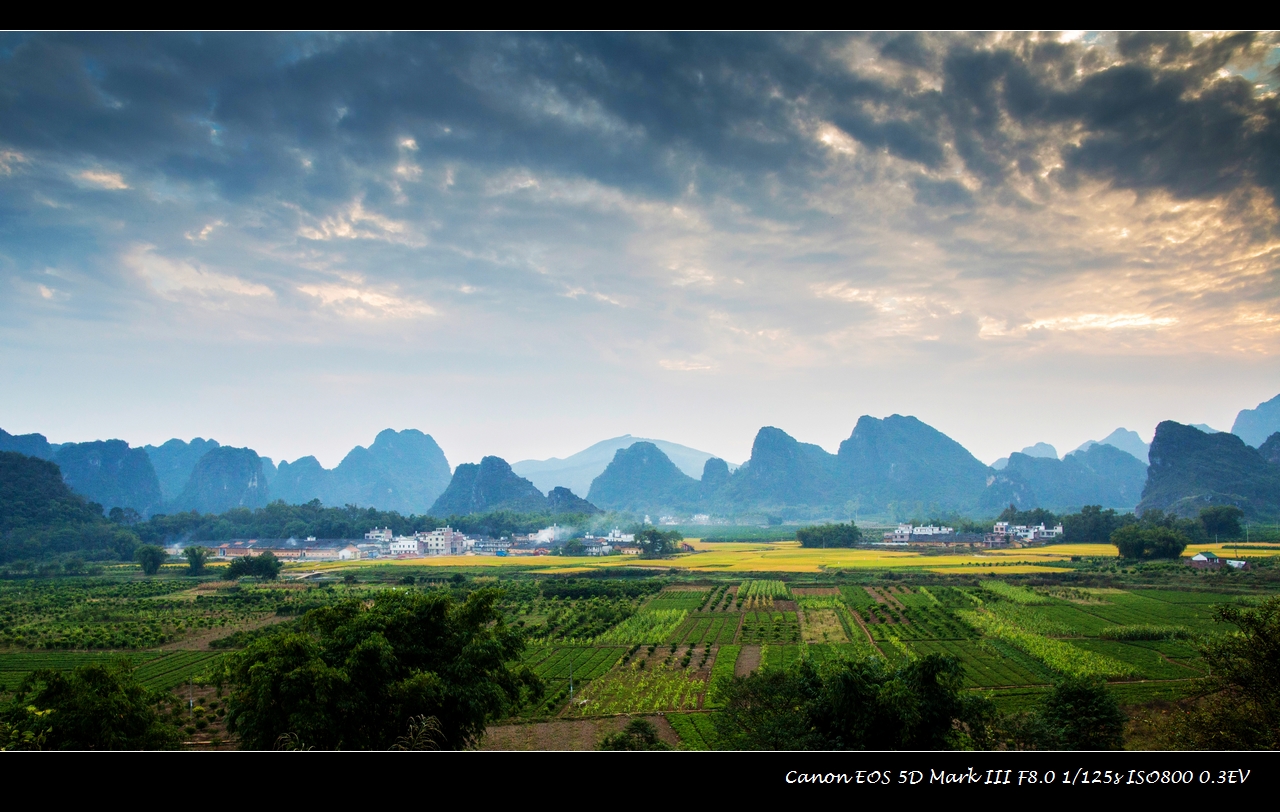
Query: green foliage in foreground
[(853, 705), (355, 676), (829, 535), (94, 707), (1243, 712), (639, 734), (1080, 713)]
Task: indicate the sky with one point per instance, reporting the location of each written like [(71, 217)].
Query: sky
[(524, 244)]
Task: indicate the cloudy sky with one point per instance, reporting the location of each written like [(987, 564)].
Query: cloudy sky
[(525, 244)]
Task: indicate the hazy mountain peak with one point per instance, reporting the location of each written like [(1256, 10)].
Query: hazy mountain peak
[(1127, 441), (1254, 426), (1041, 450), (578, 471)]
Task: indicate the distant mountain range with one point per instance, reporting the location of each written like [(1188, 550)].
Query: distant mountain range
[(404, 471), (897, 465), (1254, 426), (577, 471)]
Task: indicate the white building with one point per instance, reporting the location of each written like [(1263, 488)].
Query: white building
[(443, 541), (613, 537), (929, 530), (349, 553), (596, 547), (383, 535), (1036, 533), (407, 545)]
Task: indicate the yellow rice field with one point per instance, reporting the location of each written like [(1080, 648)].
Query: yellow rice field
[(789, 556)]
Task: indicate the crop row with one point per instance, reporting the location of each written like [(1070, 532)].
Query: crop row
[(697, 731), (982, 665), (632, 689), (174, 669), (1017, 594), (1061, 657), (1145, 632), (762, 589), (770, 627), (721, 671), (698, 629), (648, 626), (690, 600), (583, 663)]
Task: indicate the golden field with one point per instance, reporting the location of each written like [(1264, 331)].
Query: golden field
[(789, 556)]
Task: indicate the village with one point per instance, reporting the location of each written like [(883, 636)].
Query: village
[(1003, 534), (382, 543)]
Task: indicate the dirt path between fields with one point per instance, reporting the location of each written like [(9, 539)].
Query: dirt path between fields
[(748, 661), (858, 619), (200, 641), (567, 734)]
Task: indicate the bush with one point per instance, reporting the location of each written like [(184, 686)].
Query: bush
[(639, 734), (829, 535), (93, 707), (1142, 542), (150, 557), (355, 675), (265, 566)]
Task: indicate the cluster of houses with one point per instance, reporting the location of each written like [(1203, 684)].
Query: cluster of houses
[(382, 542), (1002, 535), (291, 550), (611, 542), (1209, 561)]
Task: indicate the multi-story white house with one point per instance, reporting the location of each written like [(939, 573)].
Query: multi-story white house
[(383, 535), (407, 545), (442, 541), (1023, 532)]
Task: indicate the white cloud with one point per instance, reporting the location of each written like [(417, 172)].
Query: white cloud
[(8, 158), (836, 139), (1103, 321), (684, 366), (203, 233), (358, 223), (103, 179), (352, 301), (168, 276)]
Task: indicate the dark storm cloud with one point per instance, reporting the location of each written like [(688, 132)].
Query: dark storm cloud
[(652, 112)]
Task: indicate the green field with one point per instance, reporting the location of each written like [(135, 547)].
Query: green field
[(658, 644), (159, 670)]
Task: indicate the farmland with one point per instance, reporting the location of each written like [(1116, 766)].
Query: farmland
[(656, 637)]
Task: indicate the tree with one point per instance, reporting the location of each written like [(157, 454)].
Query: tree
[(150, 557), (1092, 525), (639, 734), (853, 705), (265, 566), (94, 707), (1242, 710), (572, 547), (1028, 518), (355, 675), (1140, 541), (196, 558), (1222, 521), (829, 535), (1082, 714), (655, 543)]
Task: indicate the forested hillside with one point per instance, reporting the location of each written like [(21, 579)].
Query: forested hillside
[(1191, 470)]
